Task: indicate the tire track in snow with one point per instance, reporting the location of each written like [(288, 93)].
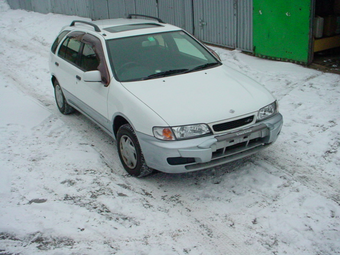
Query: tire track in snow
[(309, 177), (204, 228)]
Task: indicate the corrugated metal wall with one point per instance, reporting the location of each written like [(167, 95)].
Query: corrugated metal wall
[(17, 4), (82, 8), (224, 22), (63, 7), (99, 9), (221, 22), (177, 12), (147, 7), (215, 22), (244, 30), (42, 7), (121, 8)]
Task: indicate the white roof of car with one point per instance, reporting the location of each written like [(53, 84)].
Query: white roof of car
[(118, 28)]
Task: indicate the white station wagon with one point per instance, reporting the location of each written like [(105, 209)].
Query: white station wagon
[(165, 97)]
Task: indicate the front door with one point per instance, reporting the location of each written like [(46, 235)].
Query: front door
[(79, 53)]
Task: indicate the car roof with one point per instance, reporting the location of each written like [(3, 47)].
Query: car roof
[(119, 28)]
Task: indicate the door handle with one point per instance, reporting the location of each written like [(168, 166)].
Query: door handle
[(56, 63), (78, 77)]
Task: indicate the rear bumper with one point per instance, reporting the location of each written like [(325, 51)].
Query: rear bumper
[(201, 153)]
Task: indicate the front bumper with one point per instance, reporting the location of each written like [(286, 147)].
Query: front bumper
[(201, 153)]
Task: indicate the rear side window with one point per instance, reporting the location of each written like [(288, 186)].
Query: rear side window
[(58, 40), (69, 50)]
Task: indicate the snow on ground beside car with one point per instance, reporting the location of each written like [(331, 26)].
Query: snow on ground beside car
[(63, 190)]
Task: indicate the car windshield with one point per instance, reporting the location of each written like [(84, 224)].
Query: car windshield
[(157, 55)]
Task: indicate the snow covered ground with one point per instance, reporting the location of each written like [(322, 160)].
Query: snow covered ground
[(64, 191)]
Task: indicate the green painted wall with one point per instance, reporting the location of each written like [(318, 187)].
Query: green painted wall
[(281, 29)]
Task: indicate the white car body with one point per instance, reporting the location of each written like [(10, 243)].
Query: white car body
[(210, 97)]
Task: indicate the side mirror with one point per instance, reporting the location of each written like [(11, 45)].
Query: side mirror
[(93, 76)]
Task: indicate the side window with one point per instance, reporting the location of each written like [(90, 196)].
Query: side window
[(93, 57), (89, 59), (58, 40), (69, 49)]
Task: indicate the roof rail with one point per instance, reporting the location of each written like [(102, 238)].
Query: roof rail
[(96, 28), (145, 16)]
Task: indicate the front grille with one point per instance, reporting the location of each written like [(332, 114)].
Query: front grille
[(236, 145), (237, 148), (233, 124)]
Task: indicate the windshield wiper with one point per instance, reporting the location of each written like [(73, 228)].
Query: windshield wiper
[(165, 73), (204, 66)]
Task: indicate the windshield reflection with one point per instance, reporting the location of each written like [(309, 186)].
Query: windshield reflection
[(157, 55)]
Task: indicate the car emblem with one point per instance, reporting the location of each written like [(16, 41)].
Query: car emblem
[(232, 111)]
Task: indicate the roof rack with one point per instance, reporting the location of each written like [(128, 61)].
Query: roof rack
[(145, 16), (96, 28)]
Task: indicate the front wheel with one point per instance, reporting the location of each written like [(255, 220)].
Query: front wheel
[(130, 153)]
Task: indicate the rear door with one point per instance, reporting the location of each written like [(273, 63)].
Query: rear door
[(66, 63)]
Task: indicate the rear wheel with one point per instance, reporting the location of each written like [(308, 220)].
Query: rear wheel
[(130, 153), (62, 104)]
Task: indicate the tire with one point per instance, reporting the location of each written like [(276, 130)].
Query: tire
[(130, 153), (62, 104)]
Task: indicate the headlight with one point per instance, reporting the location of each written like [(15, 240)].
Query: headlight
[(181, 132), (267, 111)]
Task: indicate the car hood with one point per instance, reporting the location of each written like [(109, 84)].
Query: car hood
[(201, 97)]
